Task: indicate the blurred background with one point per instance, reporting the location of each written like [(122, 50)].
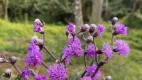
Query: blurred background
[(16, 30)]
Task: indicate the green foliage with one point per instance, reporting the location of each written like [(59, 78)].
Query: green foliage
[(43, 9)]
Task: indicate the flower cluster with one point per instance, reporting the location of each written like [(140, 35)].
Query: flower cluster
[(91, 72), (120, 29), (121, 47), (107, 50), (34, 56), (39, 77), (90, 50), (38, 26), (26, 73), (73, 48), (57, 72)]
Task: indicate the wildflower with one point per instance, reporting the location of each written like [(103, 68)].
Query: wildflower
[(120, 29), (92, 28), (108, 78), (86, 78), (121, 47), (39, 77), (13, 59), (85, 28), (107, 50), (90, 50), (38, 26), (67, 53), (75, 45), (114, 20), (7, 73), (100, 30), (89, 39), (34, 56), (71, 28), (57, 72), (91, 72), (26, 73)]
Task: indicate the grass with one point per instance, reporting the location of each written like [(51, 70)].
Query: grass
[(15, 37)]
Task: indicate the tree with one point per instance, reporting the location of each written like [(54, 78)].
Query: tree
[(96, 11), (134, 7), (78, 13), (3, 9)]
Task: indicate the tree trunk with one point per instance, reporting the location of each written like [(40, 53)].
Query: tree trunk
[(78, 14), (3, 9), (134, 7), (96, 11)]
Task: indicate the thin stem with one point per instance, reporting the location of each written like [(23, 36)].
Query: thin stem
[(98, 67), (77, 33), (43, 38), (49, 53), (96, 55), (43, 63), (83, 74), (16, 68), (85, 60)]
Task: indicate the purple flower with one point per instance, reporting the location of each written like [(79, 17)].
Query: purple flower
[(71, 28), (91, 72), (90, 50), (86, 78), (120, 29), (67, 53), (26, 73), (75, 45), (34, 56), (100, 30), (107, 50), (37, 26), (121, 47), (57, 72), (39, 77)]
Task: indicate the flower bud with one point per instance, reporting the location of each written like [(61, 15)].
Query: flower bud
[(89, 39), (34, 38), (2, 60), (92, 28), (7, 73), (37, 21), (114, 20), (13, 59), (39, 42), (85, 28), (67, 33), (108, 78)]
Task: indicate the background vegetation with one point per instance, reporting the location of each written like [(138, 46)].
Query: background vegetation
[(16, 33)]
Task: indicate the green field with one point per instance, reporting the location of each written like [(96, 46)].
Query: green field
[(15, 37)]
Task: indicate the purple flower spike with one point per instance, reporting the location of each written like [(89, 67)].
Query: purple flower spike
[(37, 26), (90, 50), (107, 50), (39, 77), (67, 53), (120, 29), (75, 45), (100, 30), (91, 71), (121, 47), (71, 28), (26, 73), (57, 72), (86, 78), (34, 56)]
